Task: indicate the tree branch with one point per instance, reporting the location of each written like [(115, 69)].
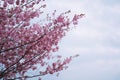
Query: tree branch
[(29, 76), (22, 44)]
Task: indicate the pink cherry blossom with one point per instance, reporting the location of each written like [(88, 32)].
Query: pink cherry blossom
[(25, 42)]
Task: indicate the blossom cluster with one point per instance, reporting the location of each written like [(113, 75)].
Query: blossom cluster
[(23, 45)]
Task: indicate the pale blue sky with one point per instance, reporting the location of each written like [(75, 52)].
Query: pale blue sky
[(96, 39)]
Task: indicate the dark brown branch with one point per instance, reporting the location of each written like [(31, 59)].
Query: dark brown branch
[(27, 3), (29, 76), (22, 64), (22, 45)]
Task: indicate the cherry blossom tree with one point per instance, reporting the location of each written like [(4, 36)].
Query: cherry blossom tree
[(25, 43)]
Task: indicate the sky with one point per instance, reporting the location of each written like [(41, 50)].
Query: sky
[(96, 39)]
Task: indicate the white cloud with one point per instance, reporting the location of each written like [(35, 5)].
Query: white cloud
[(96, 70)]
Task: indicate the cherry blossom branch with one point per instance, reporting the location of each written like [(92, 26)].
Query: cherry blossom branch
[(5, 73), (13, 30), (22, 44), (27, 3), (29, 76)]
